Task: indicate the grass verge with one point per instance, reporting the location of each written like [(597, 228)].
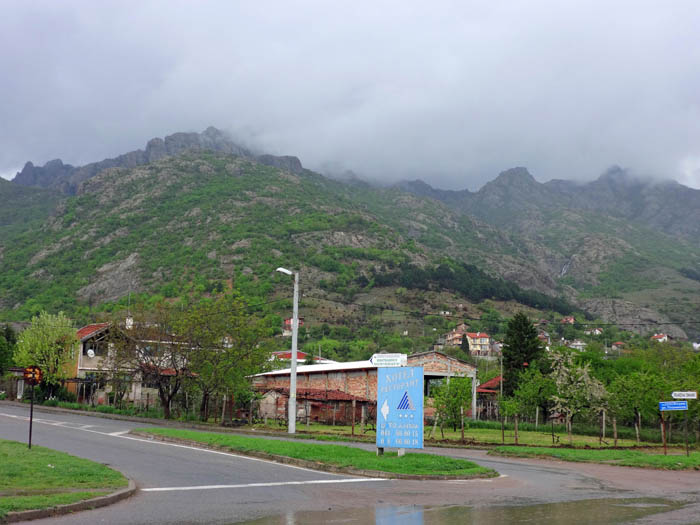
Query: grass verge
[(41, 478), (481, 434), (626, 458), (334, 455)]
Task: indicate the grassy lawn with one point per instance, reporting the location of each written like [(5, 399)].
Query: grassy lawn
[(336, 455), (676, 460), (41, 477), (482, 435)]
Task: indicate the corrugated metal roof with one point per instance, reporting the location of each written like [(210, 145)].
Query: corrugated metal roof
[(331, 367)]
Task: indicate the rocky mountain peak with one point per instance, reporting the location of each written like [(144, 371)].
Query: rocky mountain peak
[(66, 178), (518, 176), (45, 176)]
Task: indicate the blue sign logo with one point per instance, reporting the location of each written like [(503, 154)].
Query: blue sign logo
[(405, 403), (400, 407)]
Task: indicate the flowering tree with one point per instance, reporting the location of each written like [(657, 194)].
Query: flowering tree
[(577, 390)]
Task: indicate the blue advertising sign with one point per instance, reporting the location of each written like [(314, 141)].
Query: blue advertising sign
[(673, 405), (400, 407)]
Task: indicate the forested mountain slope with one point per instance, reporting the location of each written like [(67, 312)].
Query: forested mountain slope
[(200, 220)]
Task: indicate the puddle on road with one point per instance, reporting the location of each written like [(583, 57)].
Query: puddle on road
[(607, 511)]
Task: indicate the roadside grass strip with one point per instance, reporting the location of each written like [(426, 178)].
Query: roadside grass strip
[(41, 478), (677, 460), (490, 436), (333, 455)]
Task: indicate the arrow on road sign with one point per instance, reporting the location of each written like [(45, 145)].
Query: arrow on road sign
[(385, 410), (685, 395)]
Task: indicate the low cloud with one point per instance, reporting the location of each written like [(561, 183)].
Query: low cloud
[(450, 92)]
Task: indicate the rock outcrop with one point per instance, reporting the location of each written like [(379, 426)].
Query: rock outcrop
[(66, 178)]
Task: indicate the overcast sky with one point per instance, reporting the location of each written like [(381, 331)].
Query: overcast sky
[(450, 92)]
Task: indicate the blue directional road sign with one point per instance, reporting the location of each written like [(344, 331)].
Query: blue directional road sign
[(673, 405), (400, 407)]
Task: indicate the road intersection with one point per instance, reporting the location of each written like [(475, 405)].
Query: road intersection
[(183, 484)]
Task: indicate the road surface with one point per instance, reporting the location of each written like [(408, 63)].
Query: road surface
[(179, 484)]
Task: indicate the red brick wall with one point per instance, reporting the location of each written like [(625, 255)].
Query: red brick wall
[(359, 383)]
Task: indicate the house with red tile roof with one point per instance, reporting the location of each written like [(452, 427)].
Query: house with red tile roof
[(286, 356), (95, 367), (479, 344)]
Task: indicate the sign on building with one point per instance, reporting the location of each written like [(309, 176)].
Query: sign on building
[(400, 407), (389, 360)]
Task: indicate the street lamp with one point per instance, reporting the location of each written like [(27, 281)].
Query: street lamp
[(292, 417)]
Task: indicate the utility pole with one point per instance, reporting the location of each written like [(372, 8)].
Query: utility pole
[(292, 414)]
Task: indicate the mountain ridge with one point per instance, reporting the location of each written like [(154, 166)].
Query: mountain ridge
[(228, 210), (66, 178), (666, 206)]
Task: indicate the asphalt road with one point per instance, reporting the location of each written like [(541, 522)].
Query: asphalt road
[(180, 484)]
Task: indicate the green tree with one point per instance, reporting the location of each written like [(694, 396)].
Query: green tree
[(224, 345), (636, 396), (49, 343), (491, 321), (521, 348), (8, 340), (451, 400), (535, 390), (465, 346)]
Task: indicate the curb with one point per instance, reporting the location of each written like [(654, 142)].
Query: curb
[(58, 510), (314, 465), (475, 445)]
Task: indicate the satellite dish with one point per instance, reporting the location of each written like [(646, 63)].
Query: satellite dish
[(90, 353)]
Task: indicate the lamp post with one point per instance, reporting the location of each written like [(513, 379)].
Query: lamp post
[(292, 416)]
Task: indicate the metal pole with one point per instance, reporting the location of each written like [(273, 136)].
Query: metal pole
[(503, 427), (663, 432), (475, 385), (353, 418), (293, 370), (31, 416), (687, 451)]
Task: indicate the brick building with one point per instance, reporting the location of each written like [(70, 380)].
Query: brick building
[(357, 380)]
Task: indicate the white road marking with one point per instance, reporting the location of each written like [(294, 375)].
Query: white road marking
[(271, 484), (121, 435), (198, 449)]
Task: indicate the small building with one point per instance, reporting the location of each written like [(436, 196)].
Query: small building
[(487, 398), (479, 344), (316, 405), (569, 319), (577, 344), (618, 345), (356, 378), (286, 356), (593, 331), (287, 326), (94, 367), (660, 338), (456, 335)]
